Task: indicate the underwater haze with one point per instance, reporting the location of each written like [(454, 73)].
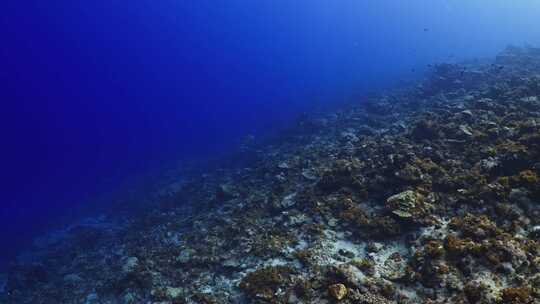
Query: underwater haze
[(98, 93)]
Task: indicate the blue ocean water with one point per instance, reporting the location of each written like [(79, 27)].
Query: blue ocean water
[(96, 93)]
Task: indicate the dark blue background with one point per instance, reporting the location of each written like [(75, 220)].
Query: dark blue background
[(95, 92)]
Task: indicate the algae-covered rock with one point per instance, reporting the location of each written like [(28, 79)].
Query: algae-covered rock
[(408, 205), (403, 204), (341, 175), (394, 267), (263, 283)]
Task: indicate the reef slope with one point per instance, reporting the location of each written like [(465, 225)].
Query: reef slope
[(427, 194)]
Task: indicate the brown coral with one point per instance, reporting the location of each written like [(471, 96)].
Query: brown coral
[(337, 291), (516, 295), (264, 282)]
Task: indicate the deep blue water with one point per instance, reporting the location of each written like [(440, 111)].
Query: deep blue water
[(94, 93)]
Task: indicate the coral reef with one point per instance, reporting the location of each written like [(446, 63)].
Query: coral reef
[(427, 194)]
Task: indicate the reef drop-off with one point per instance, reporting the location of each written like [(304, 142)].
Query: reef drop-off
[(425, 194)]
